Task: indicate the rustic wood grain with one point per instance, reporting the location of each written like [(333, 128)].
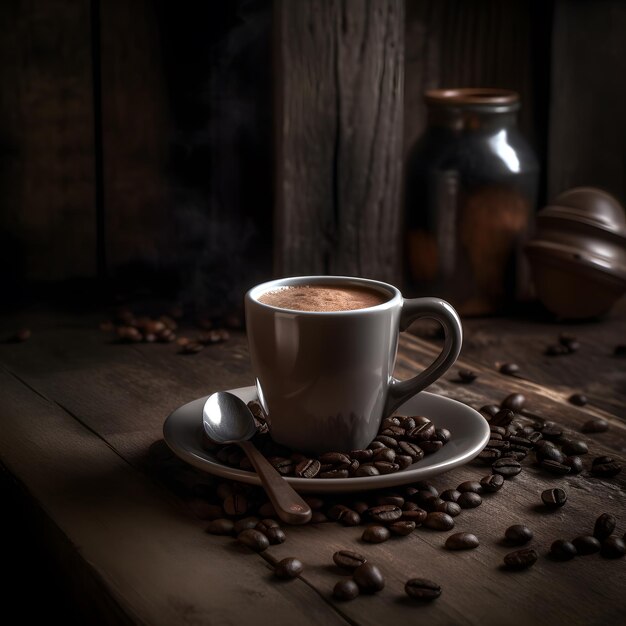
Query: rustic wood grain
[(121, 394), (47, 219), (588, 97), (138, 219), (339, 137), (152, 558)]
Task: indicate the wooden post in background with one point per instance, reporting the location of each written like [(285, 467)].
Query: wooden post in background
[(339, 108)]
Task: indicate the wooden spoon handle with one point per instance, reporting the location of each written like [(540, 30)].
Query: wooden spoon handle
[(290, 507)]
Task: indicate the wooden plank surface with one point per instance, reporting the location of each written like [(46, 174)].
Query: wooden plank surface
[(47, 217), (339, 137), (119, 395)]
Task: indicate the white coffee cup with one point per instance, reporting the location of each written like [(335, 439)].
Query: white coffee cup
[(324, 378)]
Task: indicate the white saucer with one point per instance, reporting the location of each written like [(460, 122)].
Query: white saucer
[(470, 433)]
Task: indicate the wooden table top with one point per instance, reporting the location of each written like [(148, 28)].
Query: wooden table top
[(79, 414)]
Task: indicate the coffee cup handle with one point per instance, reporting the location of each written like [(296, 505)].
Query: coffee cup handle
[(440, 310)]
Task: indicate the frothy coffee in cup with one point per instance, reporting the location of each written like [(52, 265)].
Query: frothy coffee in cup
[(323, 298)]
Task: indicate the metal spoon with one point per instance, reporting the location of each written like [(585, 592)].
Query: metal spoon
[(227, 419)]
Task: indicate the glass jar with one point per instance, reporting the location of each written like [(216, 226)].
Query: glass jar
[(471, 186)]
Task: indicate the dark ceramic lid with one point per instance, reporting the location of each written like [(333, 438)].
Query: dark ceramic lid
[(474, 98)]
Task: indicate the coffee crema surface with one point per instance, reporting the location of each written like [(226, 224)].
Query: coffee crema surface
[(323, 298)]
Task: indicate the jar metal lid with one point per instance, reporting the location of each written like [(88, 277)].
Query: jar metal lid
[(474, 98)]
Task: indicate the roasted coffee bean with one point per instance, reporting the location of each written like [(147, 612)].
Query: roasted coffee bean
[(395, 499), (495, 437), (602, 460), (427, 500), (334, 458), (606, 470), (451, 508), (346, 590), (563, 550), (560, 469), (520, 443), (275, 535), (283, 466), (221, 526), (497, 430), (503, 417), (337, 473), (461, 541), (579, 399), (424, 485), (318, 517), (384, 467), (422, 589), (367, 470), (235, 505), (450, 495), (443, 435), (520, 559), (586, 544), (509, 369), (597, 425), (369, 578), (492, 483), (245, 524), (469, 500), (410, 506), (604, 526), (411, 449), (403, 461), (253, 539), (552, 432), (571, 447), (393, 431), (418, 516), (350, 518), (376, 445), (402, 527), (375, 534), (308, 468), (360, 506), (549, 453), (353, 467), (518, 534), (337, 510), (534, 436), (438, 521), (499, 444), (514, 401), (470, 485), (362, 455), (574, 463), (288, 568), (384, 513), (348, 559), (507, 467), (388, 442), (613, 548), (554, 498), (265, 524), (407, 422), (421, 432), (384, 454), (390, 421), (467, 376), (430, 447), (490, 409), (488, 456)]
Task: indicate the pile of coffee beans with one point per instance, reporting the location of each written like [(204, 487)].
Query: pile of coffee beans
[(401, 441)]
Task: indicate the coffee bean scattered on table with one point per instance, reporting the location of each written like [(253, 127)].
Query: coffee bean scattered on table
[(469, 500), (563, 550), (492, 483), (507, 467), (470, 485), (369, 578), (579, 399), (422, 589), (253, 539), (509, 369), (520, 559), (596, 425), (554, 498), (586, 544), (288, 568), (346, 590), (221, 526), (514, 402), (402, 527), (467, 376), (348, 560), (518, 534), (375, 534), (604, 526), (438, 521), (605, 467), (461, 541), (613, 548), (576, 447)]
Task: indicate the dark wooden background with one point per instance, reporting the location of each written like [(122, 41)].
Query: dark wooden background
[(195, 148)]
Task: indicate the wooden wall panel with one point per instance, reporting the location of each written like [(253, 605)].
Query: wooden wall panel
[(47, 217), (588, 110), (339, 137), (135, 137)]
